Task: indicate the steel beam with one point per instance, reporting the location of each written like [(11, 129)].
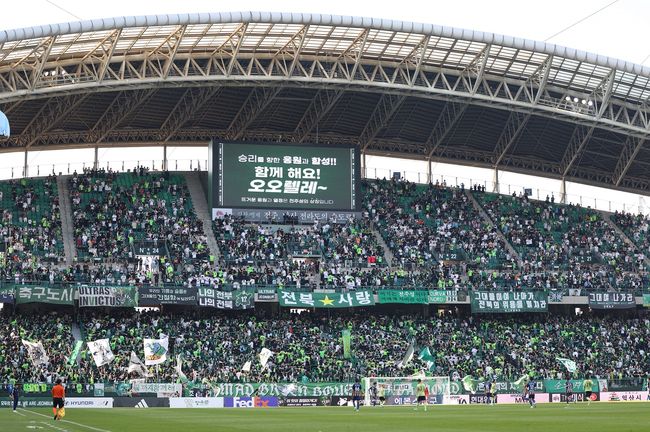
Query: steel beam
[(381, 115), (631, 148), (579, 138), (322, 103), (514, 125), (451, 113), (124, 104), (191, 102), (258, 99)]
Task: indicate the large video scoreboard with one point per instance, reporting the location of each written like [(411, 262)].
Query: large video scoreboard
[(283, 177)]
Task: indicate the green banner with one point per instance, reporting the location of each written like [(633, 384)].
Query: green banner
[(239, 299), (612, 300), (326, 300), (7, 294), (646, 300), (108, 296), (559, 386), (508, 302), (403, 296), (347, 341), (446, 296), (40, 294), (75, 352)]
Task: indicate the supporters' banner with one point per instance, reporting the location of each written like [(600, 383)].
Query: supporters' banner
[(6, 295), (266, 294), (403, 296), (646, 300), (39, 294), (326, 300), (612, 300), (508, 302), (155, 351), (101, 351), (428, 358), (347, 342), (407, 356), (154, 296), (160, 389), (555, 296), (282, 389), (264, 356), (559, 386), (570, 365), (36, 352), (446, 296), (239, 299), (108, 296), (136, 366), (75, 352)]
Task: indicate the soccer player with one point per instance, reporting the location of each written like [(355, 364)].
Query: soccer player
[(588, 383), (569, 391), (356, 394), (58, 398), (373, 394), (530, 390), (382, 395), (420, 391), (15, 394), (493, 392)]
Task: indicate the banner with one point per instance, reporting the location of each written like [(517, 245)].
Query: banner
[(446, 296), (508, 302), (155, 296), (155, 351), (36, 353), (239, 299), (403, 296), (160, 389), (629, 396), (264, 356), (94, 402), (646, 300), (326, 300), (136, 366), (6, 294), (75, 352), (407, 356), (347, 340), (39, 294), (107, 296), (101, 352), (266, 294), (282, 389), (559, 386), (612, 301), (196, 402)]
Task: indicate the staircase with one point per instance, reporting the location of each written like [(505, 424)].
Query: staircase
[(67, 228), (607, 218), (485, 216), (387, 252), (202, 211)]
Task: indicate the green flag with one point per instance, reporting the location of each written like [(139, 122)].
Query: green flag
[(570, 365), (469, 384), (75, 352), (346, 343), (426, 356), (521, 381)]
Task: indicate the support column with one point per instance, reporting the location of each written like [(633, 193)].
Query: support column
[(563, 191), (429, 170), (26, 167), (164, 166), (363, 165), (96, 160), (495, 180)]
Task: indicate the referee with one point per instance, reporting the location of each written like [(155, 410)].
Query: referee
[(58, 398), (15, 394)]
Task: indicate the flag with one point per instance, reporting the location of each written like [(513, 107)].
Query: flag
[(407, 357), (345, 335), (247, 366), (179, 369), (570, 365), (101, 352), (426, 356), (136, 366), (75, 352), (36, 353), (469, 384), (521, 381), (155, 351), (265, 355)]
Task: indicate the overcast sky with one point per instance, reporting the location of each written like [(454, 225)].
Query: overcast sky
[(620, 31)]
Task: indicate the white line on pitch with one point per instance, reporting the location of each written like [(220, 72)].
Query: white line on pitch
[(68, 421)]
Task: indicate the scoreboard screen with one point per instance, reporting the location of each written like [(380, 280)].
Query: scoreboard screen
[(284, 176)]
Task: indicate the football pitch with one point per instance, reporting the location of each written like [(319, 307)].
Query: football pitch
[(619, 417)]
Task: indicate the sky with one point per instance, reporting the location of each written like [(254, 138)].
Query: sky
[(619, 30)]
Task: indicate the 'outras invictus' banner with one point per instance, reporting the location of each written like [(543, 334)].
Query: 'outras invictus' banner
[(108, 296), (273, 176)]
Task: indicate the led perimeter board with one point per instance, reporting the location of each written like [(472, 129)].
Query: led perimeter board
[(283, 177)]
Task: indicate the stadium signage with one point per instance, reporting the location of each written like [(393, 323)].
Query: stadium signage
[(326, 300), (107, 296), (6, 295), (630, 396), (509, 302), (283, 389), (154, 296), (446, 296), (240, 299), (38, 294), (612, 300), (30, 402), (559, 386), (419, 296), (160, 389), (303, 401), (196, 402), (266, 294), (91, 402)]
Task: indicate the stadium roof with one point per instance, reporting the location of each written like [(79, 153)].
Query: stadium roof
[(393, 88)]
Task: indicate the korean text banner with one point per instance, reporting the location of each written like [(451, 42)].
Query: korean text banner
[(284, 176), (153, 296), (612, 300), (39, 294), (240, 299), (508, 302), (326, 300)]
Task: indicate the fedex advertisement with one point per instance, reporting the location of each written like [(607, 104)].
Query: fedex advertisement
[(251, 402)]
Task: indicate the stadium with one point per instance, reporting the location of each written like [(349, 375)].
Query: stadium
[(255, 270)]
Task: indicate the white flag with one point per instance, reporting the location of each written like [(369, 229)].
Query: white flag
[(136, 366), (101, 351), (179, 369), (36, 353), (407, 356), (570, 365), (265, 355), (247, 366), (155, 351)]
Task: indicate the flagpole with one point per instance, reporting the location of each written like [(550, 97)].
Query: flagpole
[(157, 373)]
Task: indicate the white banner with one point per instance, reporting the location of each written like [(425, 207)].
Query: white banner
[(187, 402), (515, 398), (101, 352), (36, 353), (98, 402), (160, 389), (265, 355), (155, 351), (624, 396)]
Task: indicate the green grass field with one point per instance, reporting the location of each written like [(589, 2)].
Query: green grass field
[(610, 417)]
